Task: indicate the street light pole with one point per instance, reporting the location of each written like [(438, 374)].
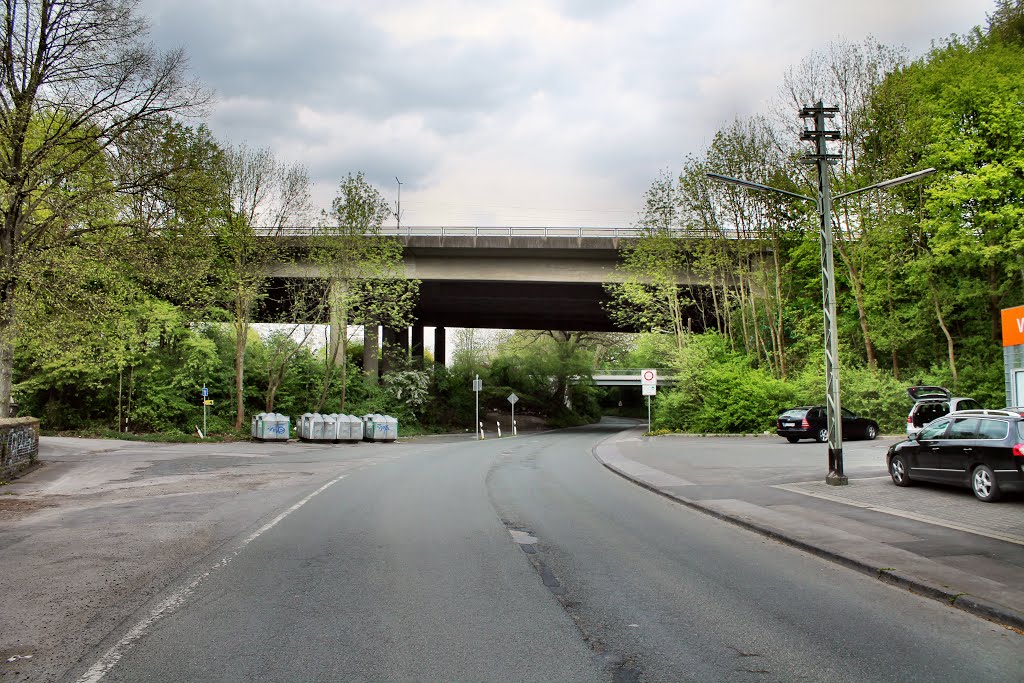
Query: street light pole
[(822, 159), (820, 136), (398, 212)]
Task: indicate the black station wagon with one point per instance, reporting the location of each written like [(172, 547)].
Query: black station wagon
[(979, 449)]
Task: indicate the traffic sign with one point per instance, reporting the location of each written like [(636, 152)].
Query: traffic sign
[(512, 398), (649, 377), (649, 390), (206, 392), (478, 385), (208, 402)]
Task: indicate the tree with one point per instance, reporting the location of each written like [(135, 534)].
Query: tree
[(958, 110), (847, 75), (648, 294), (550, 370), (77, 82), (1006, 23), (264, 196), (363, 270), (282, 348)]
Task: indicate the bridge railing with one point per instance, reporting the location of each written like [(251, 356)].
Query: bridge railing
[(625, 377), (506, 231)]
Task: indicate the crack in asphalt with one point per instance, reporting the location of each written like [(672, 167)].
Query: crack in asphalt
[(622, 668)]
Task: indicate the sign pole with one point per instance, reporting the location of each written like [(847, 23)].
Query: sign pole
[(206, 392), (649, 387), (512, 398), (478, 426)]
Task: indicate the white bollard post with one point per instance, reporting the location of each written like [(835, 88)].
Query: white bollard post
[(481, 431), (499, 429)]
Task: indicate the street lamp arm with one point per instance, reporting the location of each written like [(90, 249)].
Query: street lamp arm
[(886, 184), (757, 186)]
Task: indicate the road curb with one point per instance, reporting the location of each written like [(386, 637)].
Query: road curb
[(963, 601)]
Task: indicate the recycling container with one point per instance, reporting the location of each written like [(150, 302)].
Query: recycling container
[(330, 431), (350, 428), (270, 427)]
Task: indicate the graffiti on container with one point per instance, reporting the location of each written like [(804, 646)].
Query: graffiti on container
[(277, 429)]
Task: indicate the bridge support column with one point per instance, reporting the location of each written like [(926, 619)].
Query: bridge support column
[(439, 345), (371, 339), (395, 348), (416, 351)]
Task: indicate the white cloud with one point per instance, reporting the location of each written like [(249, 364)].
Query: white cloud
[(533, 112)]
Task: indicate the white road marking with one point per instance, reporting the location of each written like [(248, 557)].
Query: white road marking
[(112, 656)]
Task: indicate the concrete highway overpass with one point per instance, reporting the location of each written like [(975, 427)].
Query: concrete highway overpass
[(512, 278)]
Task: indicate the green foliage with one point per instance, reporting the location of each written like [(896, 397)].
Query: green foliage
[(409, 388), (870, 393), (717, 391)]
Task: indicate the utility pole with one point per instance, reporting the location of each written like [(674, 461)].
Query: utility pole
[(821, 158)]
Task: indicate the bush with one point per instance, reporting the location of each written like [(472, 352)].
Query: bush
[(875, 394), (717, 391)]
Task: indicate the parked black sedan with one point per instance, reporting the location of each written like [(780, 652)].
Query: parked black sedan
[(811, 422)]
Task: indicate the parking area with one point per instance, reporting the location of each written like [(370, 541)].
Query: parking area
[(944, 506)]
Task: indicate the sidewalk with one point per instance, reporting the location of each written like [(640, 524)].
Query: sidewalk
[(936, 541)]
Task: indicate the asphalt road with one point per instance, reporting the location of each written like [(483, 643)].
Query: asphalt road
[(524, 559)]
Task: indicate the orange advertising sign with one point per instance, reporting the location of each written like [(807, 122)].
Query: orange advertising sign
[(1013, 326)]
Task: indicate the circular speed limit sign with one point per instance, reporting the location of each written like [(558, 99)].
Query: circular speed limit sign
[(649, 377)]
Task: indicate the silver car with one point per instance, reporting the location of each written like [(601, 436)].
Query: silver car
[(931, 403)]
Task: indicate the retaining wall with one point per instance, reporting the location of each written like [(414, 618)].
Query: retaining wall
[(19, 445)]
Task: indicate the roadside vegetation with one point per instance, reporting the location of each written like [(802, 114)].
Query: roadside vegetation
[(137, 252), (922, 270)]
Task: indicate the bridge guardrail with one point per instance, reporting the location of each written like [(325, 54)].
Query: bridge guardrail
[(507, 231)]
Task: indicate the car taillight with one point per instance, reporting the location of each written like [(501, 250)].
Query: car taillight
[(910, 420), (804, 424), (1018, 450)]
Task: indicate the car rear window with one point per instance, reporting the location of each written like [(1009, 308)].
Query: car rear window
[(795, 414), (993, 429), (926, 412), (968, 404), (1020, 431)]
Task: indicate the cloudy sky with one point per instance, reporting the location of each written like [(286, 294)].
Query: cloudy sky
[(521, 113)]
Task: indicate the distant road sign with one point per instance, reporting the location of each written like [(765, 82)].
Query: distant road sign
[(206, 392), (649, 390), (478, 385), (512, 398), (648, 378), (208, 402)]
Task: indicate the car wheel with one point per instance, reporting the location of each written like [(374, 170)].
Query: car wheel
[(822, 435), (792, 439), (899, 471), (871, 432), (983, 483)]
